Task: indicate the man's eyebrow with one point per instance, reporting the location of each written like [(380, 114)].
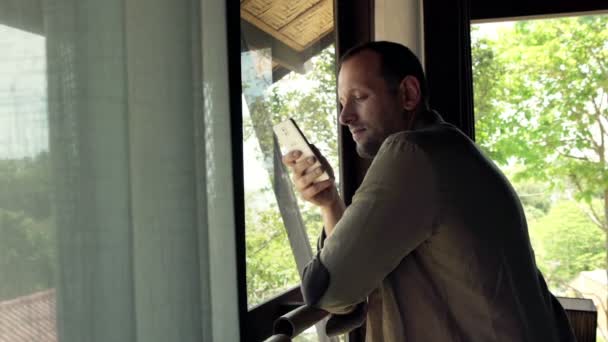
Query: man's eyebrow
[(344, 96)]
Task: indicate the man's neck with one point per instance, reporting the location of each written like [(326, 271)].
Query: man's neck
[(425, 117)]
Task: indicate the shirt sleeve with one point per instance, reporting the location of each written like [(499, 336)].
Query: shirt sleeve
[(321, 239), (393, 212)]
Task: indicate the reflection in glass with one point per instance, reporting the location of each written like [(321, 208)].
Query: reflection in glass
[(309, 99), (288, 71)]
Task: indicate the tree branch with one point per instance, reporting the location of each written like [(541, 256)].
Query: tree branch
[(574, 157), (598, 109), (593, 216), (599, 147), (602, 127), (267, 242), (533, 194), (602, 148), (591, 213), (598, 113), (596, 146)]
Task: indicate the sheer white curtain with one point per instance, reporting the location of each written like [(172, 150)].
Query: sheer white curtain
[(139, 149)]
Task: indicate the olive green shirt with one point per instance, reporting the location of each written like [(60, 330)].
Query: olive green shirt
[(437, 242)]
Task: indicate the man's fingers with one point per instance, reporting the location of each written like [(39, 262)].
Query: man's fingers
[(313, 174), (303, 164), (323, 161), (304, 181), (290, 158), (297, 164), (315, 189)]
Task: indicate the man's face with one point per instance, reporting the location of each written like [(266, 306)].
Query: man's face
[(370, 108)]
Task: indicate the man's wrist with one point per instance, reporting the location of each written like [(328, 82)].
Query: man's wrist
[(331, 214), (335, 207)]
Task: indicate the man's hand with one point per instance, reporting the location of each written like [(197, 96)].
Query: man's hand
[(322, 194)]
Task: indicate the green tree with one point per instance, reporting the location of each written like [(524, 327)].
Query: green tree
[(25, 185), (541, 101), (566, 243), (550, 101), (309, 99), (487, 88), (26, 255), (535, 198), (270, 264), (26, 234)]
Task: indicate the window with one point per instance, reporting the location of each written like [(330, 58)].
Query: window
[(541, 112), (27, 239), (271, 207), (287, 72)]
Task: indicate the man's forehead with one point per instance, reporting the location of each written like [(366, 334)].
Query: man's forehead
[(366, 60), (359, 70)]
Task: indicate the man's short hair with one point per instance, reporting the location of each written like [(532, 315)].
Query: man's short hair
[(396, 62)]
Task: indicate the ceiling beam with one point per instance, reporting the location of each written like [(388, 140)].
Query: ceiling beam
[(253, 38)]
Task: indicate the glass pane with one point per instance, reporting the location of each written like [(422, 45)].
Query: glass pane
[(288, 71), (27, 247), (541, 107)]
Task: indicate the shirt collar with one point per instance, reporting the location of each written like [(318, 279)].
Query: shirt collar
[(427, 119)]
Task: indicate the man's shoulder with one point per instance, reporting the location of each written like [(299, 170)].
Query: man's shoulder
[(441, 133)]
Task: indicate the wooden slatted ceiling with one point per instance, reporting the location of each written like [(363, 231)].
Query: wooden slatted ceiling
[(296, 23)]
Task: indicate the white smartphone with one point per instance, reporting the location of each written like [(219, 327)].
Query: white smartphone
[(291, 138)]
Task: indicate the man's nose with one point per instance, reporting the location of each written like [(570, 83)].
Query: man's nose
[(347, 115)]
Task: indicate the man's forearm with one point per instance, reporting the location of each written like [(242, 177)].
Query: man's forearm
[(331, 215)]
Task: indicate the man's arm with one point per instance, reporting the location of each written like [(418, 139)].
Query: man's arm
[(331, 214), (392, 213)]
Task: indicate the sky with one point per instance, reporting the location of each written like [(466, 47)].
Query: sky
[(491, 30), (23, 111)]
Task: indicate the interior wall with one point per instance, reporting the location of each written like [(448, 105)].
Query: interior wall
[(400, 21)]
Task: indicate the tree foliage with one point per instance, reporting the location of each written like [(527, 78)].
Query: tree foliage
[(542, 99), (309, 99), (27, 246), (541, 105), (566, 244), (270, 264)]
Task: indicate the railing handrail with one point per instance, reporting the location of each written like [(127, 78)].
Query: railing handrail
[(298, 320)]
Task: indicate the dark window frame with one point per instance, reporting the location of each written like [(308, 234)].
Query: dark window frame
[(448, 61)]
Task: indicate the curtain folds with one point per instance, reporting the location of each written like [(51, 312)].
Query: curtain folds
[(140, 147)]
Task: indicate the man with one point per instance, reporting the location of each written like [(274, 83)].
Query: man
[(435, 238)]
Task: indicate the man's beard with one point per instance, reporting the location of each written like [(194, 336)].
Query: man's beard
[(369, 149)]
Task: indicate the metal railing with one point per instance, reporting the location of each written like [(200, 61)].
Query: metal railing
[(295, 322), (581, 313)]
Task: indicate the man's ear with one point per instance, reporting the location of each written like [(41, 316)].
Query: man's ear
[(409, 92)]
